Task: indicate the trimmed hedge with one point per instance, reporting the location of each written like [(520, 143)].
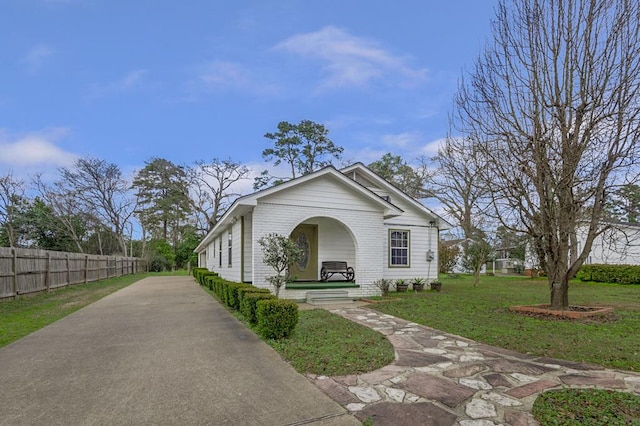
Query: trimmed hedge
[(249, 303), (196, 271), (619, 274), (276, 318), (200, 275), (250, 289), (232, 299)]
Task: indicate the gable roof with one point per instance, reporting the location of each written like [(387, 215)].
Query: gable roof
[(244, 204), (370, 175)]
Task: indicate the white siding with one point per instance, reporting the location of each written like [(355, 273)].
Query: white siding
[(227, 272), (620, 245), (248, 247), (232, 273), (364, 227), (322, 193), (334, 243), (421, 240)]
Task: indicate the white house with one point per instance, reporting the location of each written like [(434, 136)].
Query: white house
[(350, 215), (619, 244)]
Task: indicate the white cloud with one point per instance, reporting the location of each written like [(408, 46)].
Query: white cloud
[(36, 57), (129, 81), (35, 151), (351, 61), (220, 76), (431, 148), (405, 140)]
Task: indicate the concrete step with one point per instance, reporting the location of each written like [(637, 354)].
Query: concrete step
[(324, 297)]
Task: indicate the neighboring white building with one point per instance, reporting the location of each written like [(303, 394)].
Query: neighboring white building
[(617, 245), (350, 215)]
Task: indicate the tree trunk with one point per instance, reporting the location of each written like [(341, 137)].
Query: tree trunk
[(476, 277), (559, 286)]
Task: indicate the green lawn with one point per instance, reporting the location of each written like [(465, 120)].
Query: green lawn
[(483, 314), (22, 316), (327, 344)]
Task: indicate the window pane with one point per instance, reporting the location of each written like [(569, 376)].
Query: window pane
[(399, 248)]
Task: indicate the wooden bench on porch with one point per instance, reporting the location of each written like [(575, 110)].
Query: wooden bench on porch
[(329, 268)]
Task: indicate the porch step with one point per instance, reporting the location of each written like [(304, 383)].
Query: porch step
[(325, 297)]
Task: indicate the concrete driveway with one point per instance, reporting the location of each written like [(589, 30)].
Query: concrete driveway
[(160, 351)]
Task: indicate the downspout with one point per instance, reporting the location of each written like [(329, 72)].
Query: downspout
[(241, 249)]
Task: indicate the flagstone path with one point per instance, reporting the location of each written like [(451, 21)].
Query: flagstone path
[(442, 379)]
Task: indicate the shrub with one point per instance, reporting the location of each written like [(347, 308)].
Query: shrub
[(232, 300), (276, 318), (620, 274), (210, 281), (159, 264), (384, 285), (249, 304), (222, 291), (196, 271), (201, 275), (250, 289)]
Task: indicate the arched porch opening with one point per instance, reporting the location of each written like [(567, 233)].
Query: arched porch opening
[(323, 239)]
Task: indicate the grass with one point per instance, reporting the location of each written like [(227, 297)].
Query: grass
[(568, 407), (482, 314), (26, 314), (327, 344)]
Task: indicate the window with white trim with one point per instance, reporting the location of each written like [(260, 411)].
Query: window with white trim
[(398, 248)]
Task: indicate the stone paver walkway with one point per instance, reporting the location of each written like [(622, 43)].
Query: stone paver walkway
[(443, 379)]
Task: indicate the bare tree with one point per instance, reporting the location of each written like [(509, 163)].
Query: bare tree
[(99, 185), (11, 200), (552, 107), (211, 187), (70, 212), (456, 186)]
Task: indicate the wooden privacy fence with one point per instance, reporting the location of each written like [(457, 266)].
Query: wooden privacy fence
[(25, 271)]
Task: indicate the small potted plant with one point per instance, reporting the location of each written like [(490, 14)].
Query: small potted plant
[(401, 285), (436, 285), (418, 284)]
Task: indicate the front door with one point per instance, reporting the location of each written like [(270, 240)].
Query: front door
[(306, 238)]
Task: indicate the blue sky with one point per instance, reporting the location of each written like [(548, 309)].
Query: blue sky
[(128, 80)]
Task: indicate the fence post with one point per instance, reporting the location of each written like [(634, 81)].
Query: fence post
[(47, 277), (68, 271), (14, 263), (86, 268)]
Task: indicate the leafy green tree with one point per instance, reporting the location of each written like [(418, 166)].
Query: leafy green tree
[(624, 203), (448, 255), (396, 171), (184, 251), (515, 243), (46, 230), (161, 255), (279, 252), (162, 190), (476, 254), (305, 147)]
